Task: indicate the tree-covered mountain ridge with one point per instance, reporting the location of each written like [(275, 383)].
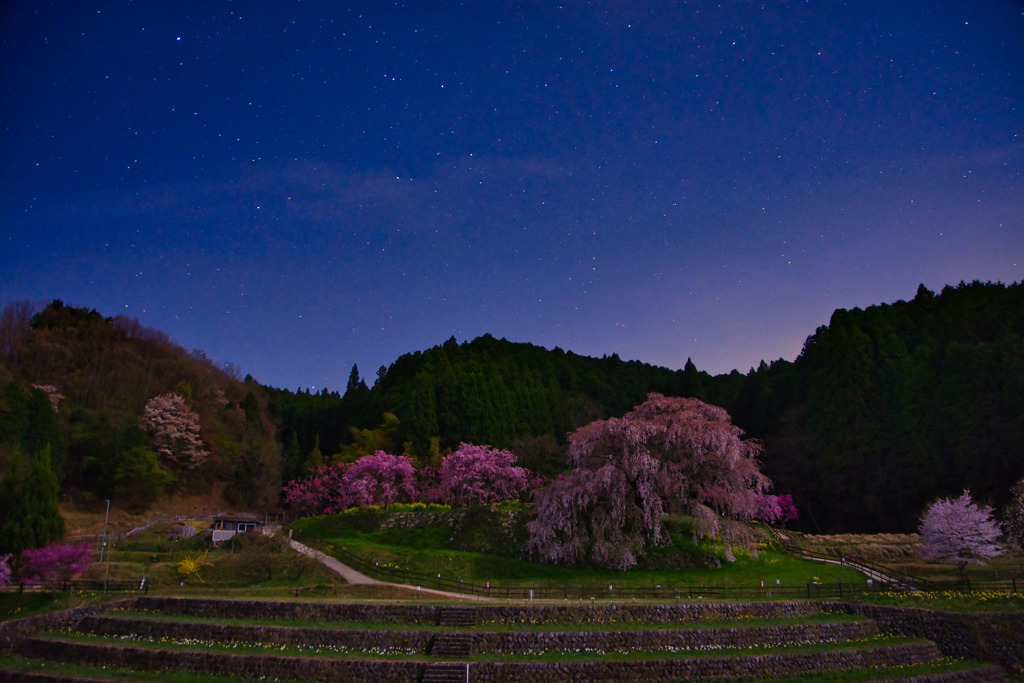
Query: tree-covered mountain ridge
[(884, 409)]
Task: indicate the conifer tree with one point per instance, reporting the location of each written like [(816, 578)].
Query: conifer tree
[(1013, 516), (32, 516)]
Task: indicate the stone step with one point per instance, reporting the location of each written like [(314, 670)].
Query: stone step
[(445, 673), (452, 645)]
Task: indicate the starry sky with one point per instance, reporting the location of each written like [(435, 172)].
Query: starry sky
[(293, 187)]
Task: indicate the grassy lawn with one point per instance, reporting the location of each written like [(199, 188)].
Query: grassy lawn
[(427, 551), (902, 554), (952, 601)]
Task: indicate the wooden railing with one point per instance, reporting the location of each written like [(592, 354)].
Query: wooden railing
[(80, 586)]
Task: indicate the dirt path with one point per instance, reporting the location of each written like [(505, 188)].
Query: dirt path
[(354, 577), (343, 570)]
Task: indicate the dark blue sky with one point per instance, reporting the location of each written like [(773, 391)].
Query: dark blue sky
[(296, 186)]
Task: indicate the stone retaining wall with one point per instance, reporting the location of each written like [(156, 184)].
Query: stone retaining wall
[(379, 641), (292, 611), (676, 640), (699, 668), (988, 636), (486, 614), (332, 669), (15, 629), (498, 642), (242, 665), (641, 613)]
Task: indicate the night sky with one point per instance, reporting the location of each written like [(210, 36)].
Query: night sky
[(294, 187)]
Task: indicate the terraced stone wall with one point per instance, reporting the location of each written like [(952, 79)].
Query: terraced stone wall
[(994, 637), (294, 611), (355, 671), (15, 629), (252, 666), (647, 614), (698, 668), (496, 642), (675, 640), (368, 641), (487, 614)]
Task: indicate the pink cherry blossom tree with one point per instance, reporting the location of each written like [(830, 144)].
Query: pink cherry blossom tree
[(55, 562), (666, 456), (959, 531), (175, 431), (482, 475)]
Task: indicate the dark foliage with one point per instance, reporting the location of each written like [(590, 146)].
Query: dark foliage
[(101, 373), (884, 410)]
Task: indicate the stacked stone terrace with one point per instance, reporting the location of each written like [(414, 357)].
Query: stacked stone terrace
[(485, 643)]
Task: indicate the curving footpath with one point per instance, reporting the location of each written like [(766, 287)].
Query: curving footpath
[(354, 577)]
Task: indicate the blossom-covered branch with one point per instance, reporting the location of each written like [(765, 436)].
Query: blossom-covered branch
[(175, 431)]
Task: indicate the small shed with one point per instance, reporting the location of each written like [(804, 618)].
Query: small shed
[(226, 526)]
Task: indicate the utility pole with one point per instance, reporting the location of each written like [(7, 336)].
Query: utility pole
[(104, 547)]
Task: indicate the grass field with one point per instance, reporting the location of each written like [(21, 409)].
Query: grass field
[(257, 566), (427, 550)]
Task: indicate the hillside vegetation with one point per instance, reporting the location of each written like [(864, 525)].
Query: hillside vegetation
[(884, 410), (81, 383)]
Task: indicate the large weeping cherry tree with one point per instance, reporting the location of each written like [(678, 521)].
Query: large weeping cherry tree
[(666, 456)]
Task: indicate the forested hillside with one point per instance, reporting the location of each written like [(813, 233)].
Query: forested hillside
[(887, 408), (884, 410), (124, 413), (486, 391)]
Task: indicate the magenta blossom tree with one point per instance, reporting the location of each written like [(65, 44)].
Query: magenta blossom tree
[(428, 485), (774, 509), (667, 455), (5, 569), (481, 475), (55, 562), (959, 531), (319, 493), (379, 479)]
